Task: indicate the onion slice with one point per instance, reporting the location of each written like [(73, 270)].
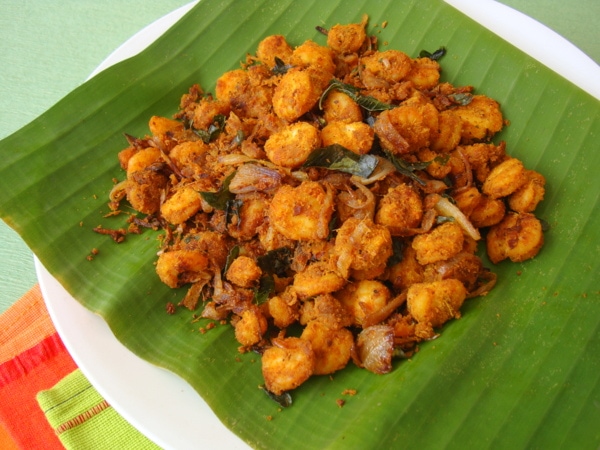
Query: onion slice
[(252, 177), (383, 313), (446, 208), (375, 348)]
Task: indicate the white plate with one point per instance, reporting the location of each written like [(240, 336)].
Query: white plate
[(159, 403)]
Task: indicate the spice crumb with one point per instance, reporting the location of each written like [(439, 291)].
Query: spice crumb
[(340, 402), (349, 392)]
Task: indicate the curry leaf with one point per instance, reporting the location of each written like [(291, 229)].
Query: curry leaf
[(280, 67), (366, 101), (214, 130), (276, 261), (265, 288), (436, 56), (337, 157), (405, 168), (284, 400), (233, 253), (221, 198), (462, 98)]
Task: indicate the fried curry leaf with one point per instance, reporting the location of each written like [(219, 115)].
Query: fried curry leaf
[(366, 101), (284, 400), (265, 287), (276, 261), (435, 56), (337, 157), (409, 169), (214, 130), (397, 251), (280, 67), (232, 210), (462, 98), (220, 199), (233, 253)]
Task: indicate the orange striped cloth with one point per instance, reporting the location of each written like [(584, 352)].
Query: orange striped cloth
[(46, 402), (32, 358)]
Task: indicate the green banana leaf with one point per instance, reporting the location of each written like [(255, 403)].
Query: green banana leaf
[(521, 368)]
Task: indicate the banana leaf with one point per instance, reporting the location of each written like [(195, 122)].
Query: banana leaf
[(521, 368)]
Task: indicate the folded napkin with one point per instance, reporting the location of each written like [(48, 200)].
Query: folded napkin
[(83, 419), (36, 366)]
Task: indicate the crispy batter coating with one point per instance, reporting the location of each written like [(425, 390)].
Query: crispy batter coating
[(481, 119), (271, 47), (251, 327), (355, 136), (291, 146), (189, 158), (406, 272), (244, 272), (181, 206), (436, 302), (361, 245), (206, 111), (160, 126), (505, 178), (332, 348), (284, 309), (424, 73), (465, 267), (449, 132), (296, 94), (179, 267), (314, 56), (303, 212), (250, 217), (383, 68), (518, 237), (327, 310), (144, 183), (442, 243), (339, 107), (407, 128), (346, 38), (318, 278), (488, 212), (400, 209), (245, 92), (363, 298), (530, 194), (287, 364)]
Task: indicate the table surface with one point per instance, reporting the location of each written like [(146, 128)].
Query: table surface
[(49, 48)]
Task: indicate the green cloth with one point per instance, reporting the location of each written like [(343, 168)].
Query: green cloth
[(83, 420)]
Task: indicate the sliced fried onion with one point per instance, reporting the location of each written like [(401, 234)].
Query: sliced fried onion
[(381, 314), (118, 192), (375, 348), (488, 279), (446, 208), (254, 177), (383, 169), (361, 200)]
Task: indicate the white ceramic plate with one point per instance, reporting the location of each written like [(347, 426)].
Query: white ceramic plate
[(159, 403)]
